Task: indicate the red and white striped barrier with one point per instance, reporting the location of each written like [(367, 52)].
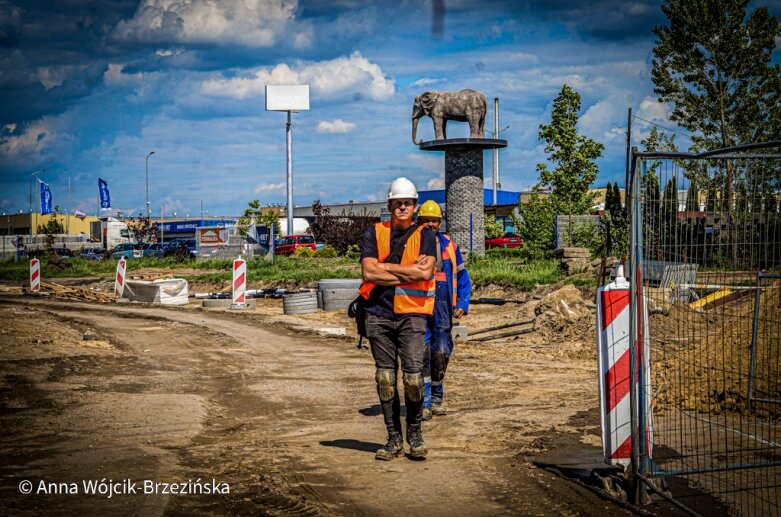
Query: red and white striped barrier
[(35, 276), (119, 282), (239, 281), (613, 311)]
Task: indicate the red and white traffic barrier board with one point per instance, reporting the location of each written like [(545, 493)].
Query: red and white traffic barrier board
[(613, 341), (239, 281), (35, 276), (119, 282)]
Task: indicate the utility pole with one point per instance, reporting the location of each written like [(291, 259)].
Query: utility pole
[(628, 151), (497, 185), (148, 208)]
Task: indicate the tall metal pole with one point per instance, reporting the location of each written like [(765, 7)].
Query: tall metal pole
[(628, 152), (148, 208), (496, 150), (289, 134)]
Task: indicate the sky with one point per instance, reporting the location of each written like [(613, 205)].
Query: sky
[(89, 88)]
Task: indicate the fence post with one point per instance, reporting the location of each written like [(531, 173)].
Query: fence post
[(635, 323), (754, 334)]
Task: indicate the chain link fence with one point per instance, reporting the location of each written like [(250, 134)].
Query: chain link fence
[(706, 270)]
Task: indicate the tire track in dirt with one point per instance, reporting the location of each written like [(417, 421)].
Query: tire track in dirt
[(290, 421)]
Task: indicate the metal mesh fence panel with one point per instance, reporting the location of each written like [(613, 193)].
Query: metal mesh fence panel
[(709, 255)]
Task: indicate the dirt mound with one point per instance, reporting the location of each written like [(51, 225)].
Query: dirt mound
[(705, 356), (563, 316)]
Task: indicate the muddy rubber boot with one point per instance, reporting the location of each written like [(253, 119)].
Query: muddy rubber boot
[(427, 414), (393, 449), (417, 447), (438, 409)]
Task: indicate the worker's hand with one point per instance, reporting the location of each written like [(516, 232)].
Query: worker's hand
[(458, 312), (420, 259)]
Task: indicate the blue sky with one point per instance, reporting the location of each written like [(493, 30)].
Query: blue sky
[(89, 88)]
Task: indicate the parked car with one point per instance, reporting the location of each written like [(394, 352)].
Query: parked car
[(129, 250), (184, 248), (291, 243), (93, 254), (155, 249), (509, 240), (61, 252)]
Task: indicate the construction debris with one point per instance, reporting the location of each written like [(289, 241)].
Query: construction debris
[(503, 326), (75, 293), (573, 260)]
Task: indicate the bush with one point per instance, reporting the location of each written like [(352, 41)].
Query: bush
[(326, 252), (304, 252), (353, 252)]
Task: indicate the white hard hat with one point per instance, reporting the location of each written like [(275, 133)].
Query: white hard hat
[(402, 188)]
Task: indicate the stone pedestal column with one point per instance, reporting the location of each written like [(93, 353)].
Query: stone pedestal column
[(465, 211)]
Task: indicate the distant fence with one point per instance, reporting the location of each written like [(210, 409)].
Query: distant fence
[(711, 282), (569, 226)]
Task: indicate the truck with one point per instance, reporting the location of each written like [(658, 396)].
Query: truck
[(109, 232)]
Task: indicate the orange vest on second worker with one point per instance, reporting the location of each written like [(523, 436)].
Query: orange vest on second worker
[(410, 298)]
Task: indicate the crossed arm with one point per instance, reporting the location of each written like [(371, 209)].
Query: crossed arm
[(382, 273)]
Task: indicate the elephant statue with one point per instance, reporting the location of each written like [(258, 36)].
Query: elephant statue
[(463, 106)]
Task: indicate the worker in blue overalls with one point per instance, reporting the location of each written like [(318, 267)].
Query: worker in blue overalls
[(453, 291)]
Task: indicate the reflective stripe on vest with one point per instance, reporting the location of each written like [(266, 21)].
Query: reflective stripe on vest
[(450, 254), (412, 297)]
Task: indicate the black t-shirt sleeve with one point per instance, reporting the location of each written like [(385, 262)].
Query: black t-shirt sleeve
[(428, 243), (369, 244)]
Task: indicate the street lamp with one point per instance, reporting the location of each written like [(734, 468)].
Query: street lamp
[(148, 213), (31, 186)]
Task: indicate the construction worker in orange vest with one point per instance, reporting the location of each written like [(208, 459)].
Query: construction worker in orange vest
[(454, 289), (397, 261)]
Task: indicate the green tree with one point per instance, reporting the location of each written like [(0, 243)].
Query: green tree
[(52, 227), (712, 62), (254, 214), (573, 171), (572, 156), (536, 226), (714, 66), (693, 198), (493, 228)]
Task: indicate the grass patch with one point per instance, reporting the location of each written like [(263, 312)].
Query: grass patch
[(506, 269)]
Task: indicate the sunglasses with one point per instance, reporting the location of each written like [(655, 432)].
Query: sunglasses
[(402, 202)]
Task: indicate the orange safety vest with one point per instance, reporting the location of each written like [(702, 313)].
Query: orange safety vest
[(449, 253), (410, 298)]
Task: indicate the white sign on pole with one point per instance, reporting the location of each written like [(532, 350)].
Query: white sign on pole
[(287, 97)]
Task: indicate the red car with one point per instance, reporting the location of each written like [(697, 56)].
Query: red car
[(288, 245), (510, 240)]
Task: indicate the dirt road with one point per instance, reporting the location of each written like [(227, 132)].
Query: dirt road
[(288, 421)]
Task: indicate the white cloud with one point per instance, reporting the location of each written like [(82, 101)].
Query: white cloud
[(327, 79), (437, 183), (52, 76), (427, 162), (337, 126), (270, 187), (253, 23), (599, 121), (35, 140), (425, 82), (652, 109)]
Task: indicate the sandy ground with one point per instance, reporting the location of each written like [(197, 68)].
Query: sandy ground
[(287, 419)]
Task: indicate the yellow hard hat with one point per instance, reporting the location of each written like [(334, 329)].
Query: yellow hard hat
[(430, 209)]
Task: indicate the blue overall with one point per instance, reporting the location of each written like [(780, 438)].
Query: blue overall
[(439, 342)]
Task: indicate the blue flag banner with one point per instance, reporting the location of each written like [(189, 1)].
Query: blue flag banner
[(46, 198), (105, 198)]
